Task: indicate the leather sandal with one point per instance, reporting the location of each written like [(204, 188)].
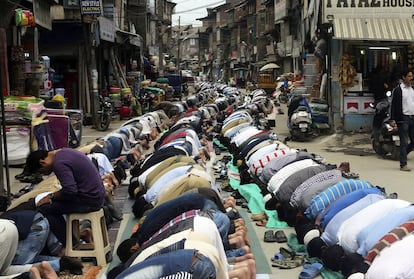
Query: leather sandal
[(261, 223), (287, 264), (258, 217)]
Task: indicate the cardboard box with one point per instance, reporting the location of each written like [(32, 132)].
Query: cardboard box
[(365, 107), (358, 105), (351, 105)]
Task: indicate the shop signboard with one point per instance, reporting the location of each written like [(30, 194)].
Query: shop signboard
[(106, 29), (372, 8), (71, 4), (389, 20), (90, 7)]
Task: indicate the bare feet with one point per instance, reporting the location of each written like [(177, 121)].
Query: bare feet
[(47, 271), (35, 273), (43, 271)]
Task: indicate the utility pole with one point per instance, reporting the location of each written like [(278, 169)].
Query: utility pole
[(160, 30), (178, 57), (199, 51), (179, 45)]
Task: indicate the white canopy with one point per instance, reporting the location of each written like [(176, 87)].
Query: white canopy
[(269, 66)]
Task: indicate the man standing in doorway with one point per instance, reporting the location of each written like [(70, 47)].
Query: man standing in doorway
[(402, 111)]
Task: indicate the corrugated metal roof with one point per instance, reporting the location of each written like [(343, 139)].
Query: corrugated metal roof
[(382, 29)]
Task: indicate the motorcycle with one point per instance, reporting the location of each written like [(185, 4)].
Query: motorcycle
[(299, 118), (104, 114), (385, 139)]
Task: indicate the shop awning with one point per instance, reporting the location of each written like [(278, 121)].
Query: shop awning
[(380, 29), (134, 39)]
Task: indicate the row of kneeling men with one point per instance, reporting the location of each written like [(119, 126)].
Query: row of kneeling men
[(346, 223)]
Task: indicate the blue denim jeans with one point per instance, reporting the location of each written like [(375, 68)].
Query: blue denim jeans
[(406, 133), (186, 260), (112, 148), (28, 249), (222, 222), (238, 252)]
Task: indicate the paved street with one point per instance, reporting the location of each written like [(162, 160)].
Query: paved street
[(352, 147)]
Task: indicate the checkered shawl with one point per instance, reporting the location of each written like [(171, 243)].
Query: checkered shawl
[(172, 222)]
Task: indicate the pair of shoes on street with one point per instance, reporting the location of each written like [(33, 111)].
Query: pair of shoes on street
[(277, 236), (405, 168)]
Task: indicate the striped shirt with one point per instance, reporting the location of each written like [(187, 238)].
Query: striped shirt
[(327, 178), (328, 196), (257, 165), (179, 275)]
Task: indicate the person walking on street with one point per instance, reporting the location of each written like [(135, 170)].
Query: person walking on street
[(402, 111)]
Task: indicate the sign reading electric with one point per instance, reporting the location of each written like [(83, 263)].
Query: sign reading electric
[(369, 8), (90, 7)]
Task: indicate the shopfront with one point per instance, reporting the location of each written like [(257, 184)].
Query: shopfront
[(372, 41)]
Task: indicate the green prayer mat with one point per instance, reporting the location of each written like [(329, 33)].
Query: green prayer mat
[(251, 192), (219, 144)]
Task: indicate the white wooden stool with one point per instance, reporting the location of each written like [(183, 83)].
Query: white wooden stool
[(100, 246)]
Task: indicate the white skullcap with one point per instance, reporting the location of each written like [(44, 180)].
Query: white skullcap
[(267, 198), (311, 235), (357, 275)]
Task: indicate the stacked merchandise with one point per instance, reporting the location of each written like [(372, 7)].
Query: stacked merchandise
[(18, 115)]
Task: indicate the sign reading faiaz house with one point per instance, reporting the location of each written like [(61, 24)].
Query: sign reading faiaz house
[(369, 8), (380, 20), (370, 3), (90, 7)]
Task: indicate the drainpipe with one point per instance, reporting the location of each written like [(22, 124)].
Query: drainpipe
[(329, 87), (3, 139)]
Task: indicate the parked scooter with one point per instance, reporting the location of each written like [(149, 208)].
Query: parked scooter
[(104, 114), (299, 118), (385, 139)]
